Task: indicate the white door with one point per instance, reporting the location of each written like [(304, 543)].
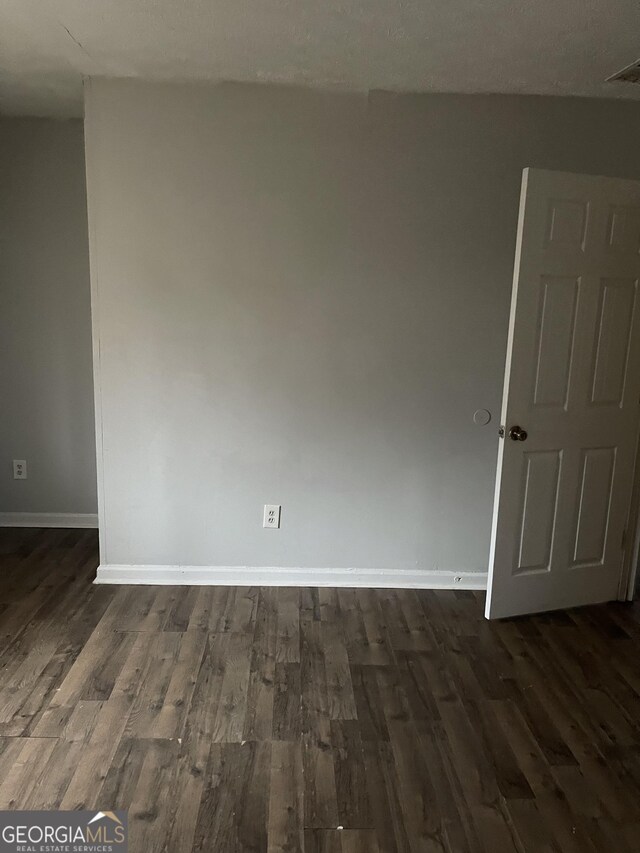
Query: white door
[(571, 397)]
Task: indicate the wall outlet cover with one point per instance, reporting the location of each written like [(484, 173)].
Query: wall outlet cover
[(271, 518), (19, 469)]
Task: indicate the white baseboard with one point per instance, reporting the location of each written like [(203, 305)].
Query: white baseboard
[(274, 576), (48, 519)]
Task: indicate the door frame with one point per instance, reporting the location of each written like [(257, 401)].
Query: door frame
[(631, 553)]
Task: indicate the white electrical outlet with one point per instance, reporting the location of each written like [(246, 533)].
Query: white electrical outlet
[(19, 469), (271, 516)]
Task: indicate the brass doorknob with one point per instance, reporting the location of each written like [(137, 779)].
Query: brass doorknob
[(517, 434)]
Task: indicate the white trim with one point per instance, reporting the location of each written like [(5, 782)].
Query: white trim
[(93, 177), (276, 576), (48, 519)]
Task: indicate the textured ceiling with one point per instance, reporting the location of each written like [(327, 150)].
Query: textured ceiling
[(562, 47)]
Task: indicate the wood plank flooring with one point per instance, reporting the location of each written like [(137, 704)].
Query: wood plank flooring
[(316, 720)]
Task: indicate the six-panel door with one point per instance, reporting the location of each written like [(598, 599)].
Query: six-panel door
[(573, 383)]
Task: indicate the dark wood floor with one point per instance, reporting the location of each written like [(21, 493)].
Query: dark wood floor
[(317, 720)]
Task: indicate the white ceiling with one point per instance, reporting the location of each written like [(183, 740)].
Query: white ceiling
[(561, 47)]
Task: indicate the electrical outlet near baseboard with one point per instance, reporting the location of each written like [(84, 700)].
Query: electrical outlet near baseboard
[(19, 469), (271, 518)]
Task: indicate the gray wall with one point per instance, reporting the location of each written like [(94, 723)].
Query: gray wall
[(301, 298), (46, 386)]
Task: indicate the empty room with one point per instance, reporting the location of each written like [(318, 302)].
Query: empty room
[(319, 426)]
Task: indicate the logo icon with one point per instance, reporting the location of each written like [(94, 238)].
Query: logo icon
[(111, 815)]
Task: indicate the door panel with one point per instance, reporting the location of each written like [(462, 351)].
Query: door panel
[(558, 304), (592, 517), (624, 229), (617, 297), (567, 222), (539, 499), (572, 382)]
